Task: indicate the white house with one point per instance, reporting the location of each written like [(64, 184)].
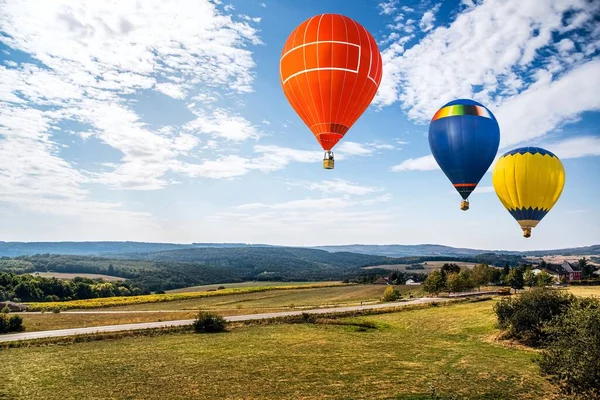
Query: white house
[(411, 282)]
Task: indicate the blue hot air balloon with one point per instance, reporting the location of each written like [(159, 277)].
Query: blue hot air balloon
[(464, 138)]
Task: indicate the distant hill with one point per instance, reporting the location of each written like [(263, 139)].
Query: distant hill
[(14, 249)]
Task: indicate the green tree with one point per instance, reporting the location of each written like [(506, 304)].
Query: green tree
[(466, 282), (454, 283), (434, 283), (506, 269), (450, 268), (515, 279), (529, 278), (390, 294), (481, 274), (571, 357), (544, 279), (586, 269)]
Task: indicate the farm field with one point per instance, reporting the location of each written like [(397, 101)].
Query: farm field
[(69, 276), (585, 290), (167, 298), (204, 288), (451, 348), (233, 304), (428, 266), (278, 299), (50, 321)]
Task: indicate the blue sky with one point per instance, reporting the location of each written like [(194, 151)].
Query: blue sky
[(166, 121)]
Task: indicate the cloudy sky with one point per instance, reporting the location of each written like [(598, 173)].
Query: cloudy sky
[(165, 121)]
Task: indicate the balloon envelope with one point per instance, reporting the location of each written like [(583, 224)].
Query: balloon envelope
[(528, 182), (330, 70), (464, 138)]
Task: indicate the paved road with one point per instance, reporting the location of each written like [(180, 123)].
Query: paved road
[(163, 324)]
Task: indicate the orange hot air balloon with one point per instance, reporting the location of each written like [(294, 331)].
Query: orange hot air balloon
[(330, 71)]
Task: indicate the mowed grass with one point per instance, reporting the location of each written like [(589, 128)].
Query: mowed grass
[(585, 291), (164, 298), (450, 347), (279, 299), (49, 321), (428, 266), (232, 304), (203, 288)]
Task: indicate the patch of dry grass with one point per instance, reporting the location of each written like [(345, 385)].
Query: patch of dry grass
[(408, 351)]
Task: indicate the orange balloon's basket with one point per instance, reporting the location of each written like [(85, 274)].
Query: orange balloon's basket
[(464, 205), (328, 161)]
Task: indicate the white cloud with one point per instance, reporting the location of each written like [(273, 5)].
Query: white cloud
[(93, 61), (483, 190), (487, 54), (387, 7), (542, 108), (340, 186), (427, 21), (353, 148), (172, 90), (223, 124), (581, 146), (266, 122), (425, 163)]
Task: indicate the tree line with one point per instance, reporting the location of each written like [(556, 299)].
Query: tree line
[(28, 288)]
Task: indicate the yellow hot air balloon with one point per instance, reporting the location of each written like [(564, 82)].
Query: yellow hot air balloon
[(528, 182)]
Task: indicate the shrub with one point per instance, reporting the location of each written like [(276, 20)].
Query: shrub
[(15, 323), (524, 316), (221, 288), (571, 358), (209, 323), (56, 310), (390, 294), (160, 292), (5, 310)]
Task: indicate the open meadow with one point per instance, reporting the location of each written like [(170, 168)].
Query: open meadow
[(428, 266), (203, 288), (451, 347), (227, 304)]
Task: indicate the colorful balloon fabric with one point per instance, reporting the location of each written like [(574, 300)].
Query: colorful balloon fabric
[(464, 137), (528, 182), (330, 70)]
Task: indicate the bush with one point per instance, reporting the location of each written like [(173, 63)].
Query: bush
[(15, 323), (209, 323), (221, 288), (571, 358), (56, 310), (5, 310), (160, 292), (390, 294), (525, 316)]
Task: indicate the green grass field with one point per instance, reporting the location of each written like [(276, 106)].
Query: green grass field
[(278, 299), (204, 288), (233, 304), (452, 348)]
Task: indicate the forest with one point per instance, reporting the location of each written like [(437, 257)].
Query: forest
[(174, 269)]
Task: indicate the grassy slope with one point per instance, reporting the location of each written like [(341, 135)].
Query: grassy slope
[(278, 299), (236, 304), (203, 288), (449, 347)]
